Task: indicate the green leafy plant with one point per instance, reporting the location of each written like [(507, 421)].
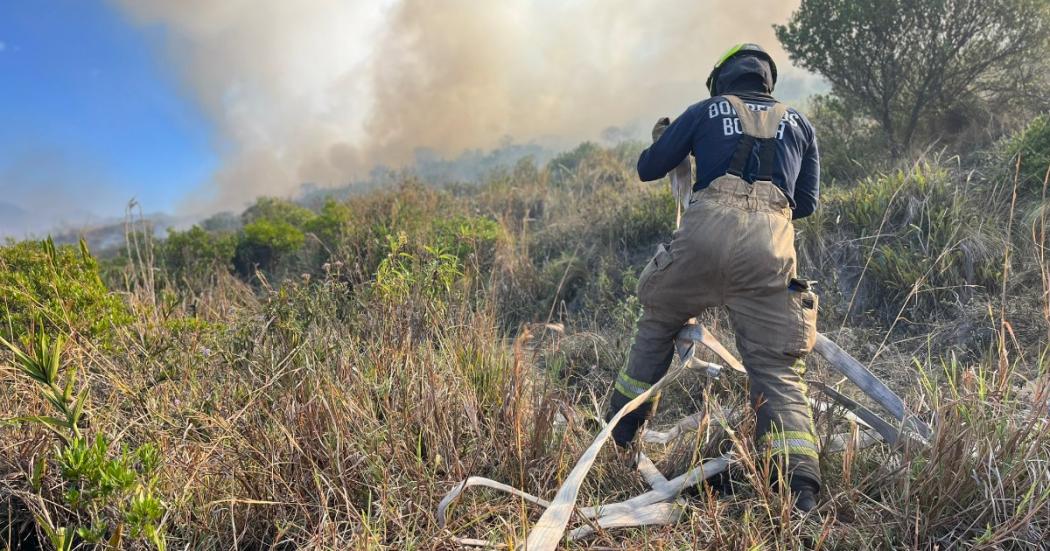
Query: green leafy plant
[(264, 242), (429, 272), (106, 492), (1032, 145), (56, 288), (41, 362), (466, 236), (195, 255), (331, 224), (277, 210)]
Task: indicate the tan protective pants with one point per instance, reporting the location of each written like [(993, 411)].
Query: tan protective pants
[(735, 248)]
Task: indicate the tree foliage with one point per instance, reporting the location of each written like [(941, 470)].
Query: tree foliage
[(277, 210), (904, 62), (330, 225), (276, 229), (264, 242), (56, 289), (851, 146), (195, 254)]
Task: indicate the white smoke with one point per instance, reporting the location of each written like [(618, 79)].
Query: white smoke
[(322, 90)]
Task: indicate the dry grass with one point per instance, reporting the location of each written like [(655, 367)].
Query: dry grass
[(334, 411)]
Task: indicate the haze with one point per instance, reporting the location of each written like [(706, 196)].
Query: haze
[(287, 93)]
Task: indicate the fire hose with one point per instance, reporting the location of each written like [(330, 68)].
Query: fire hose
[(662, 504)]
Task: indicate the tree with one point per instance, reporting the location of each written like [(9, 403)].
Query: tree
[(276, 210), (263, 243), (902, 62), (331, 224), (194, 255)]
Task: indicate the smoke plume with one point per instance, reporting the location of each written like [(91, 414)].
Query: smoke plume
[(320, 91)]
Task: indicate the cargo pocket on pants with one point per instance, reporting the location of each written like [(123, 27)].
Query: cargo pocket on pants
[(660, 261), (805, 303)]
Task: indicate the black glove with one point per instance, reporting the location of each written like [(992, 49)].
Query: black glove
[(660, 126)]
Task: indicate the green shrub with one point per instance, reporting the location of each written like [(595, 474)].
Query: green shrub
[(59, 288), (331, 224), (274, 231), (195, 254), (566, 165), (277, 210), (851, 145), (467, 236), (263, 243), (427, 273), (646, 219), (1033, 145), (223, 221)]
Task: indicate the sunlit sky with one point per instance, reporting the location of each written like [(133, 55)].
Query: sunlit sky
[(91, 115)]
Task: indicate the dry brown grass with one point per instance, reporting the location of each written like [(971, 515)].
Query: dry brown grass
[(334, 411)]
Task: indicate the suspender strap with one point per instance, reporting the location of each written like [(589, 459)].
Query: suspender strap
[(759, 127), (767, 153), (741, 156)]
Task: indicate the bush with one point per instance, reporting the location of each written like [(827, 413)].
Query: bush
[(195, 254), (277, 210), (1033, 146), (106, 496), (264, 242), (223, 221), (565, 166), (427, 274), (57, 288), (467, 236), (331, 224)]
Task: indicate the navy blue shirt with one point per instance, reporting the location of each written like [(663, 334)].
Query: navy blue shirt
[(710, 131)]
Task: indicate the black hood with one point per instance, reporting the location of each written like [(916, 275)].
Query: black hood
[(745, 73)]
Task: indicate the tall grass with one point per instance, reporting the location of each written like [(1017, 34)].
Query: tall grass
[(472, 331)]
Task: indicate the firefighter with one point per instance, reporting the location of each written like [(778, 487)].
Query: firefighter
[(757, 169)]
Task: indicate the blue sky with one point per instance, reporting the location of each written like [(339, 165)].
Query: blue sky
[(91, 114)]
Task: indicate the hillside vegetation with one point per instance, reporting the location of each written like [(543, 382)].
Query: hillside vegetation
[(321, 377), (318, 373)]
